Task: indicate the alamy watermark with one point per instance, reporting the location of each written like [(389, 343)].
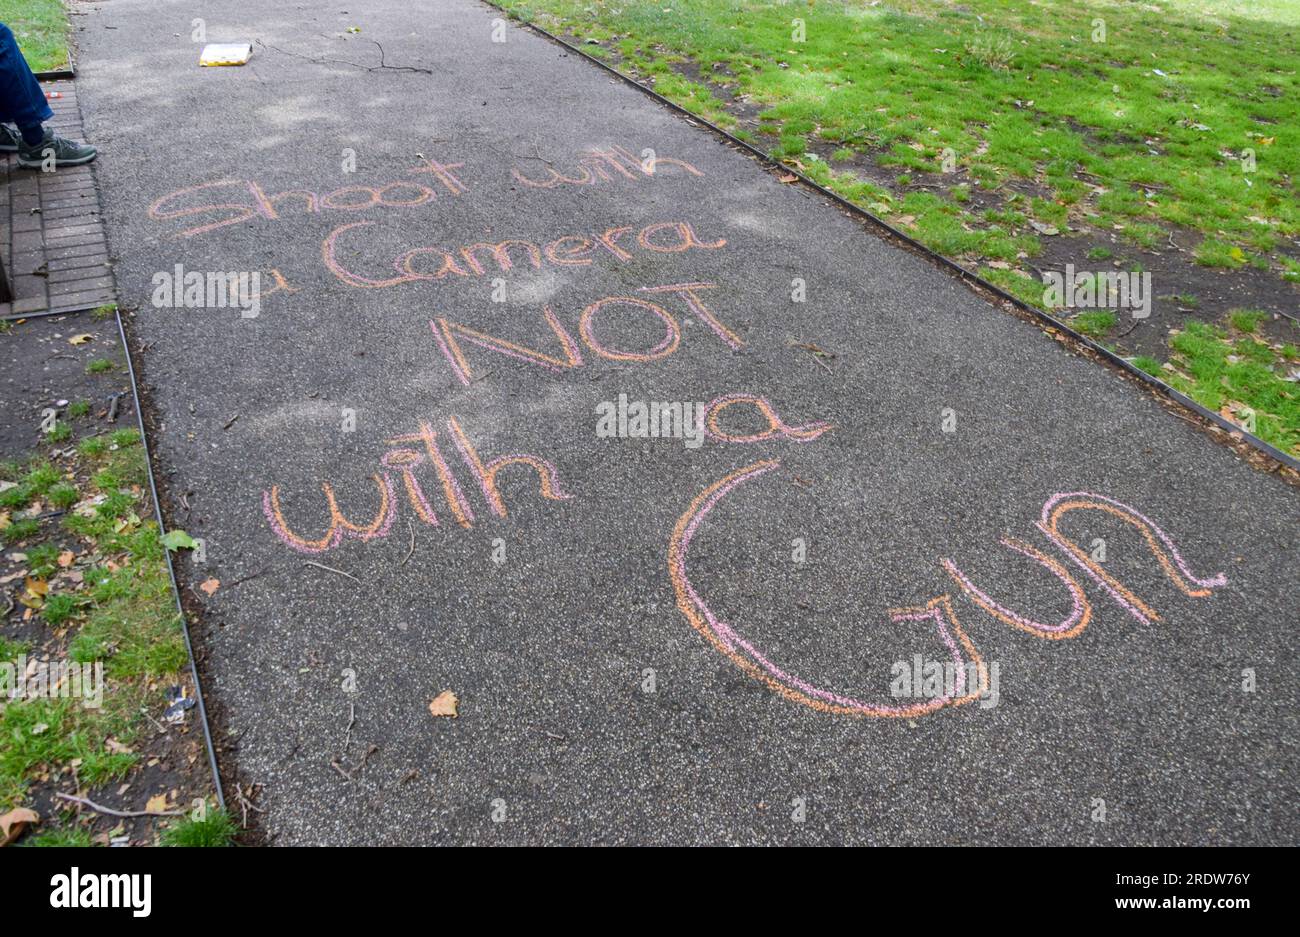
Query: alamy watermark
[(933, 679), (1105, 289), (196, 289), (655, 419), (76, 889), (23, 679)]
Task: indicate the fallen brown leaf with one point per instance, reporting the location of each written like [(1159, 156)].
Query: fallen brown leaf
[(444, 704), (209, 586), (33, 596), (14, 822)]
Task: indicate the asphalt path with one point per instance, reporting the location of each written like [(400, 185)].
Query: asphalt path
[(651, 641)]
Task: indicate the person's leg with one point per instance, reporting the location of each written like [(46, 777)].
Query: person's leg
[(22, 102)]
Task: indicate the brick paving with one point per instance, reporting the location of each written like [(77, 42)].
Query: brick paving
[(51, 230)]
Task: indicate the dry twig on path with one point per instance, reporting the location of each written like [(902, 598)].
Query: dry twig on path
[(331, 569), (127, 814)]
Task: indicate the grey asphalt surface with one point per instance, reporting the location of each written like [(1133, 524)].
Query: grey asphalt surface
[(548, 651)]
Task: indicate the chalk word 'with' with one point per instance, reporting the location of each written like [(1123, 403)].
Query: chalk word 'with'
[(597, 165), (401, 462), (429, 455)]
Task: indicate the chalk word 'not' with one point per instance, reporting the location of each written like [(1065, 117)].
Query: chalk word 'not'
[(453, 336)]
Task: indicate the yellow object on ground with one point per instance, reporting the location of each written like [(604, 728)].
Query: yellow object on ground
[(226, 53)]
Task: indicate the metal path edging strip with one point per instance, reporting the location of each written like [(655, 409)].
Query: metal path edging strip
[(171, 570)]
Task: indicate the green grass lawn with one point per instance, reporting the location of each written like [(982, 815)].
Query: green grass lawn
[(41, 27), (92, 586), (1146, 127), (984, 128), (1231, 372)]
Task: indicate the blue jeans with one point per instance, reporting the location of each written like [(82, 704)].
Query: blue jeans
[(22, 101)]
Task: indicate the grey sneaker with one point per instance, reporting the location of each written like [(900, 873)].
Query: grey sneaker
[(9, 139), (65, 152)]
